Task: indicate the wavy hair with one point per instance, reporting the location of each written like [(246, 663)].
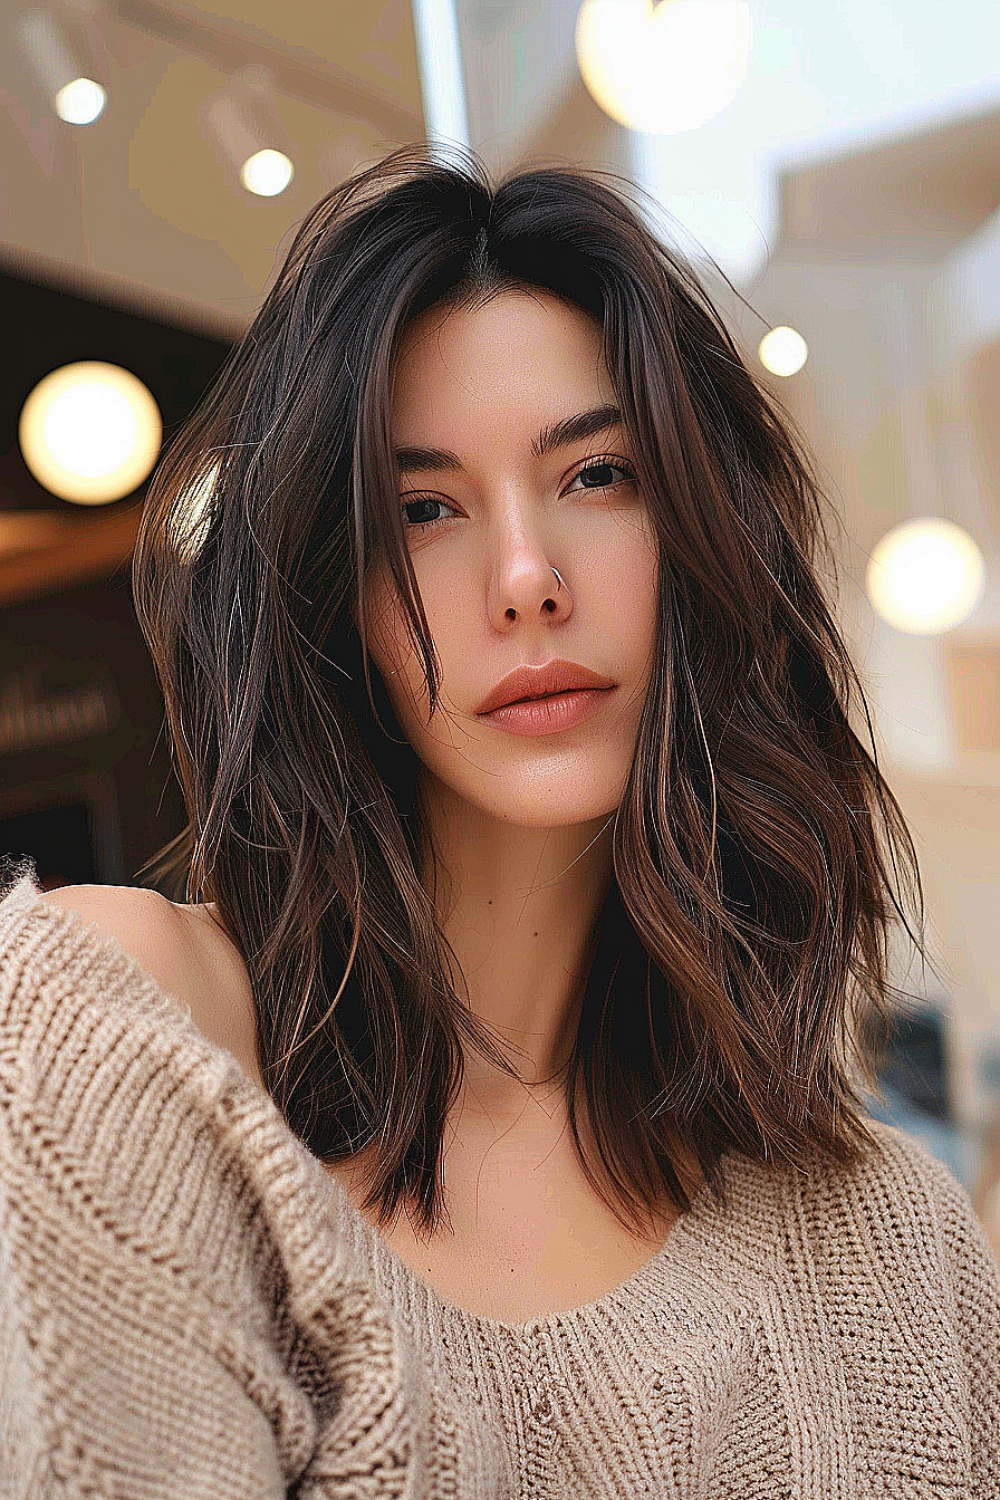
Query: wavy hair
[(739, 992)]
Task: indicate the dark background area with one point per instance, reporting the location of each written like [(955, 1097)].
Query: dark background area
[(86, 788)]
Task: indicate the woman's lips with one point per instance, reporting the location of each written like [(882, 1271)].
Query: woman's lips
[(549, 715)]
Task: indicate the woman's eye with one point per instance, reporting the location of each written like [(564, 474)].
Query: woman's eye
[(601, 472), (420, 502)]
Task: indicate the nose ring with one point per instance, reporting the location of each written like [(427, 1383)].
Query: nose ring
[(557, 573)]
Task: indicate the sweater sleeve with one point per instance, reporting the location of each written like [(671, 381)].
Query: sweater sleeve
[(117, 1378), (178, 1313), (972, 1284)]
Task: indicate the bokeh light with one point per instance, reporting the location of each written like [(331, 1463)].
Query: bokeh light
[(80, 102), (90, 432), (926, 576), (266, 173), (667, 68), (783, 351)]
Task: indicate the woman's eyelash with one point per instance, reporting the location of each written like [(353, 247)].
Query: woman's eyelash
[(591, 464)]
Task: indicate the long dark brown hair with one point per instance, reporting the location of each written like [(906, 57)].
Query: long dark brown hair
[(739, 994)]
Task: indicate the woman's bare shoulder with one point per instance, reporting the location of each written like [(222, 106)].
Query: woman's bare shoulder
[(185, 950), (146, 924)]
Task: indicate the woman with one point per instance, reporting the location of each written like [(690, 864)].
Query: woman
[(533, 875)]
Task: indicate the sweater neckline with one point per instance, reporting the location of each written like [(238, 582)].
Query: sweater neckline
[(684, 1235)]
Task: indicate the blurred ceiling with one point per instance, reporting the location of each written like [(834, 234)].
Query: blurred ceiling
[(918, 195), (142, 200)]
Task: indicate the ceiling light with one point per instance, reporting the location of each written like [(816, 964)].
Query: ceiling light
[(664, 68), (64, 57), (782, 351), (266, 173), (242, 121), (80, 102), (926, 576), (90, 432)]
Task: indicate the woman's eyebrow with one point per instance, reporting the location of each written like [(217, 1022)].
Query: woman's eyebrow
[(559, 434)]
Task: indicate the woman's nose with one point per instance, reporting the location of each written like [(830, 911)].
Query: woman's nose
[(531, 587)]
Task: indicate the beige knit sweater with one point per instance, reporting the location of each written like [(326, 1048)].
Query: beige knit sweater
[(190, 1306)]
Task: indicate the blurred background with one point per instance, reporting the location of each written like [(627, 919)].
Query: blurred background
[(834, 172)]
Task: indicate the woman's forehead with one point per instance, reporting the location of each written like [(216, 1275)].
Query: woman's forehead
[(517, 358)]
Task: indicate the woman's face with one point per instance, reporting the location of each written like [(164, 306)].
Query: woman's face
[(485, 385)]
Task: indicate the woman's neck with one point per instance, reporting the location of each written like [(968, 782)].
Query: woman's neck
[(518, 907)]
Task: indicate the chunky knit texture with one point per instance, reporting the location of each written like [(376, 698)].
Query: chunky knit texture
[(191, 1307)]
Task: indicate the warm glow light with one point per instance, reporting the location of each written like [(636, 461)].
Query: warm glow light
[(90, 432), (663, 68), (80, 102), (782, 351), (926, 576), (266, 173)]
